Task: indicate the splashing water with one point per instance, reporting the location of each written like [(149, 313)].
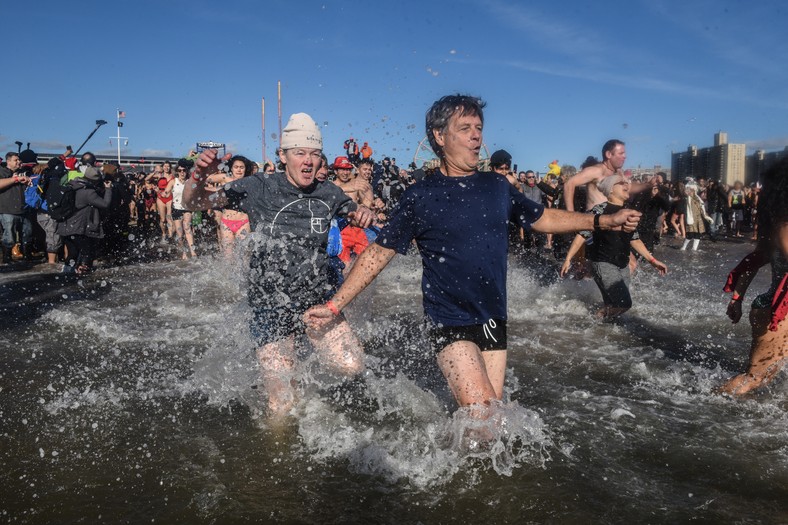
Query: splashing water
[(138, 399)]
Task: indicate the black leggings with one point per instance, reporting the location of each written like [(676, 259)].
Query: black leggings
[(81, 249)]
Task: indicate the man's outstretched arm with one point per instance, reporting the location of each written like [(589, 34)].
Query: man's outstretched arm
[(368, 265), (560, 221)]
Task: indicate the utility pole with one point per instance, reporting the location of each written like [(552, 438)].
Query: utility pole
[(279, 103), (265, 159)]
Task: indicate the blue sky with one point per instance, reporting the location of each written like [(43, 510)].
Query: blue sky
[(559, 78)]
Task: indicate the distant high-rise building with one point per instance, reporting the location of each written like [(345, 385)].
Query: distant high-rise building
[(761, 161), (723, 162)]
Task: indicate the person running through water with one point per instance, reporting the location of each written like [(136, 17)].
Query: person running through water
[(290, 214), (609, 252), (164, 201), (354, 240), (463, 253), (737, 201), (234, 225), (181, 217), (769, 310), (614, 155)]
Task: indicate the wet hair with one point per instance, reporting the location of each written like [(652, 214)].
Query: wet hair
[(366, 161), (10, 155), (248, 169), (610, 145), (590, 161), (88, 158), (444, 109)]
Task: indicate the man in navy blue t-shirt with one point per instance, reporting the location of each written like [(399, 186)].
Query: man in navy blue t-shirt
[(458, 218)]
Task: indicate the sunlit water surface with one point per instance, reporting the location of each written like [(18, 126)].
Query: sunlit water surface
[(132, 396)]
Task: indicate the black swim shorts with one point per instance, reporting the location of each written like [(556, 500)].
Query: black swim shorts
[(488, 336)]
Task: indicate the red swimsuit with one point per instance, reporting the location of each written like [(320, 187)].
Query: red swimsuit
[(163, 182)]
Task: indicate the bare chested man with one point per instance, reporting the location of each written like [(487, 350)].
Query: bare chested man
[(354, 240), (614, 154), (357, 188)]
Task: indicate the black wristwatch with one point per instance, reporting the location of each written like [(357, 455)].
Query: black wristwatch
[(596, 221)]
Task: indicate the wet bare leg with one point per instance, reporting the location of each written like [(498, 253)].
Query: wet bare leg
[(495, 363), (168, 217), (277, 363), (767, 356), (188, 233), (179, 237), (465, 369), (161, 209), (338, 347)]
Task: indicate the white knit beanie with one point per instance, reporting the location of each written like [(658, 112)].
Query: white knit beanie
[(301, 132)]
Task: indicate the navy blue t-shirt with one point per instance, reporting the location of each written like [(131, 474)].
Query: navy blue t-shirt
[(460, 227)]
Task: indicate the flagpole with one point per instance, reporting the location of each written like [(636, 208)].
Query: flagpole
[(118, 138), (119, 114)]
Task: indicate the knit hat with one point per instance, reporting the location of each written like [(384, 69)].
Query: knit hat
[(92, 173), (301, 132), (28, 156), (606, 185), (501, 157)]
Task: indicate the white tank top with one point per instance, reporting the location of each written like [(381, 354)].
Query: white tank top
[(177, 195)]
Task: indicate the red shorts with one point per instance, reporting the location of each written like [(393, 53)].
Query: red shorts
[(354, 240)]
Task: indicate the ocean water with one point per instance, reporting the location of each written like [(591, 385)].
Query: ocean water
[(132, 396)]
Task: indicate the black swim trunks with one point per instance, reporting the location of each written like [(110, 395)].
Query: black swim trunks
[(488, 336)]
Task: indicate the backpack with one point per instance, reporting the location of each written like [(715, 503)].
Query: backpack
[(61, 199), (33, 195)]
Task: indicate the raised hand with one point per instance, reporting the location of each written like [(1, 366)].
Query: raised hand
[(208, 161)]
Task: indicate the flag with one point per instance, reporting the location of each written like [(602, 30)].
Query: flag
[(121, 114), (120, 124)]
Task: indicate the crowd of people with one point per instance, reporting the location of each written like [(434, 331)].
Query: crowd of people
[(317, 234)]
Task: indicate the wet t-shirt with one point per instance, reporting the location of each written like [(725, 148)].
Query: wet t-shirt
[(610, 246), (460, 228), (290, 238)]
